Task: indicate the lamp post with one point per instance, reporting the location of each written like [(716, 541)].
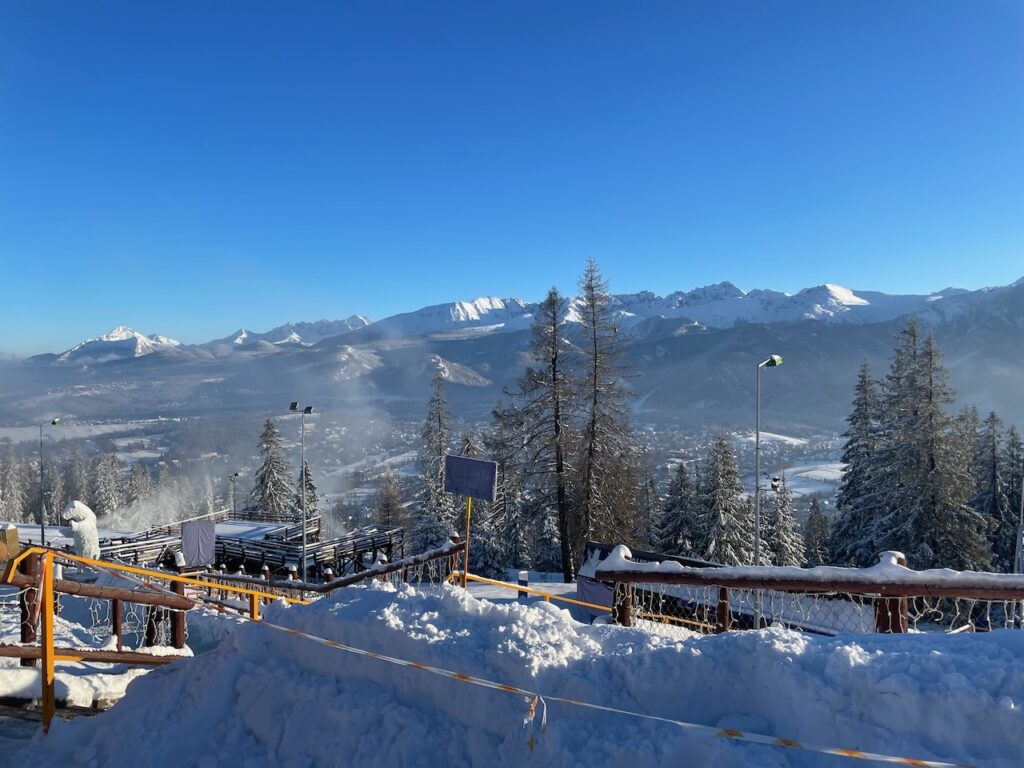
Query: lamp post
[(42, 493), (233, 478), (303, 412), (772, 361)]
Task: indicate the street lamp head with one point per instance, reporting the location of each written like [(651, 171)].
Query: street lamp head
[(307, 410), (773, 361), (56, 422), (294, 406)]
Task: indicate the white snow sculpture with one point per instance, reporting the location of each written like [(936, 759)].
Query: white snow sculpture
[(83, 529)]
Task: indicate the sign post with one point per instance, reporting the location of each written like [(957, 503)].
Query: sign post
[(474, 479)]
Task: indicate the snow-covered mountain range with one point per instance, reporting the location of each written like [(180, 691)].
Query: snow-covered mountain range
[(690, 353), (718, 306)]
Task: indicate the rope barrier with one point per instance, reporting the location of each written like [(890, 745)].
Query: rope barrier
[(533, 697)]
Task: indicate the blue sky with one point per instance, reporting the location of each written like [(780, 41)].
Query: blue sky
[(191, 167)]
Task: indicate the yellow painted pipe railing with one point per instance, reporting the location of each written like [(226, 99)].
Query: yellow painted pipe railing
[(46, 616)]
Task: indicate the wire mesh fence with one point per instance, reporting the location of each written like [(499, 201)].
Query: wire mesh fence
[(828, 601)]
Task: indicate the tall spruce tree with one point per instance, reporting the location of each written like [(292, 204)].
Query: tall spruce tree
[(928, 517), (1013, 452), (77, 475), (510, 522), (108, 485), (140, 485), (55, 489), (548, 397), (434, 515), (993, 498), (858, 505), (782, 542), (304, 483), (606, 495), (388, 509), (726, 530), (679, 523), (816, 536), (272, 490), (13, 491)]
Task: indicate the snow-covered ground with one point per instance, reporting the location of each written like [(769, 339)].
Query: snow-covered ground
[(263, 697)]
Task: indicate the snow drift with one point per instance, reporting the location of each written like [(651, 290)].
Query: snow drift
[(263, 697)]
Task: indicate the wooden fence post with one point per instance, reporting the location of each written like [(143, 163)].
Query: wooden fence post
[(28, 603), (622, 604), (115, 623), (178, 618), (891, 613), (724, 615)]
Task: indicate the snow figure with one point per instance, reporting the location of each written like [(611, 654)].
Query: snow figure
[(83, 529)]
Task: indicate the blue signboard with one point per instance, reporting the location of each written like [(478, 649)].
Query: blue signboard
[(475, 478)]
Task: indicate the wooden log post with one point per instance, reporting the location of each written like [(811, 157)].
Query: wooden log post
[(152, 625), (178, 616), (622, 604), (115, 623), (724, 622), (28, 604), (891, 613)]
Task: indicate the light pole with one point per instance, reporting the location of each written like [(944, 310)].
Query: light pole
[(303, 412), (233, 478), (42, 493), (772, 361)]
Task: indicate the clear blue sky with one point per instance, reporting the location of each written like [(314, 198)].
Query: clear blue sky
[(191, 167)]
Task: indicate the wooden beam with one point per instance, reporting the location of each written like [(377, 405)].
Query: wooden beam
[(81, 589), (89, 654), (713, 579)]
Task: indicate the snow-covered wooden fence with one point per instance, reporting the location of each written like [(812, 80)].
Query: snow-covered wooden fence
[(887, 597)]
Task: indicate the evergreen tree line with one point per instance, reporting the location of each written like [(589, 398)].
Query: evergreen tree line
[(945, 490), (708, 516), (102, 482)]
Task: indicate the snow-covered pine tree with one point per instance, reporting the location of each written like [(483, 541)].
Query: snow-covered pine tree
[(606, 496), (548, 398), (858, 505), (108, 485), (679, 523), (140, 485), (13, 492), (388, 508), (816, 536), (164, 481), (726, 517), (782, 542), (509, 518), (433, 516), (304, 482), (54, 489), (79, 488), (1013, 452), (929, 517), (272, 488), (992, 498)]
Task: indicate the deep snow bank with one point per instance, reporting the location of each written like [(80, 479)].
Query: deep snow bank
[(267, 698)]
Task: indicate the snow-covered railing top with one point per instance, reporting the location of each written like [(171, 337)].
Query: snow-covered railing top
[(887, 577)]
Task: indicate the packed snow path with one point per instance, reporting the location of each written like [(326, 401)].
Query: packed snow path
[(267, 698)]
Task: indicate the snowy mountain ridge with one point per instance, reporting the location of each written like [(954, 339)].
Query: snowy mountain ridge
[(713, 307)]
